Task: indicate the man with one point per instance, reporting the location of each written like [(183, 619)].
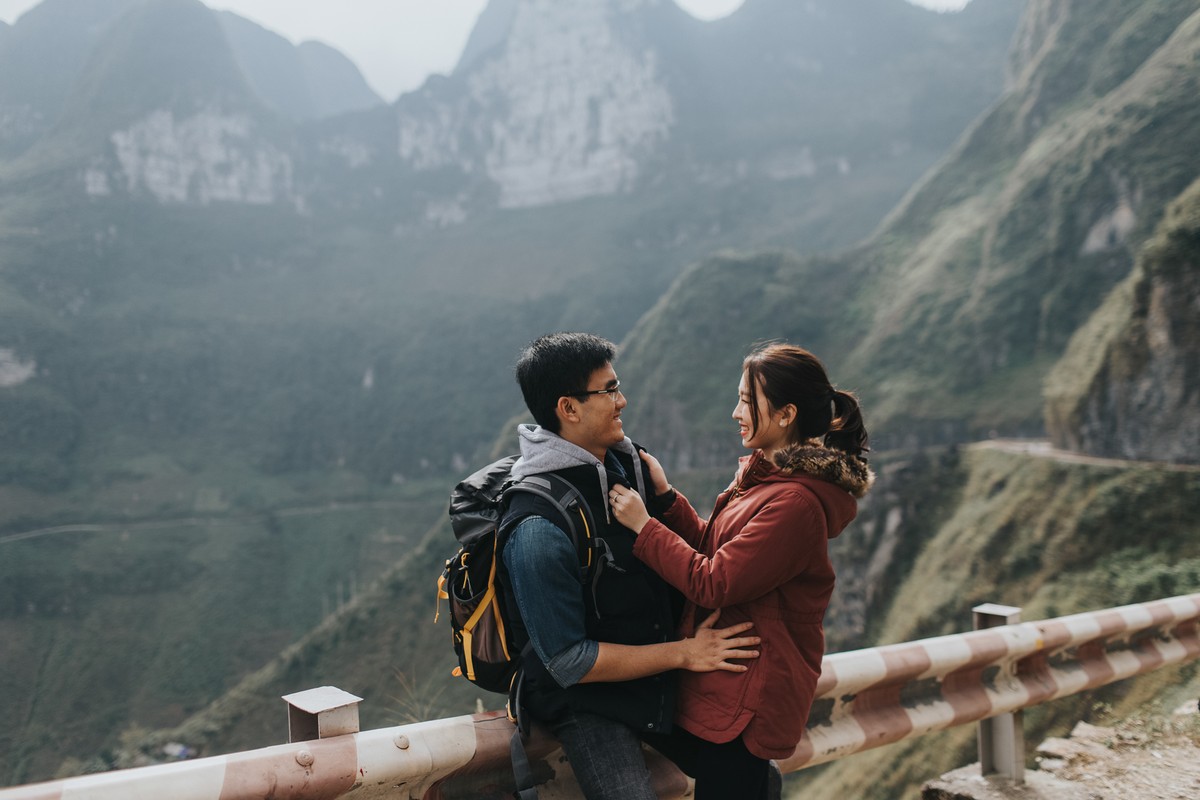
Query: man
[(599, 668)]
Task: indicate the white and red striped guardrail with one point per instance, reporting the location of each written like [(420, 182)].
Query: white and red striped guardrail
[(866, 698)]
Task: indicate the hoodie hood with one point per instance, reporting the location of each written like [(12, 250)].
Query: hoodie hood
[(543, 451)]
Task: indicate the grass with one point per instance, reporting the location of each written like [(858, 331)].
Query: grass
[(1005, 546), (169, 615)]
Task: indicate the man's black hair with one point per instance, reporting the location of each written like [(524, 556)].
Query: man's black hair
[(558, 365)]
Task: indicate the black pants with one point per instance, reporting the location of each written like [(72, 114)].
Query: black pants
[(722, 771)]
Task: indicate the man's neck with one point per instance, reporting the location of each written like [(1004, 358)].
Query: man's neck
[(591, 447)]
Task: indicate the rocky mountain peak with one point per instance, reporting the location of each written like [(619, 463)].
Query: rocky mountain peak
[(553, 101), (302, 82), (169, 114)]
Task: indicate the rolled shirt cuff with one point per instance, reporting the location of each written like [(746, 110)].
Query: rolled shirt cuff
[(571, 665)]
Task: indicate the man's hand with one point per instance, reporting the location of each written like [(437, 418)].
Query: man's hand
[(712, 648)]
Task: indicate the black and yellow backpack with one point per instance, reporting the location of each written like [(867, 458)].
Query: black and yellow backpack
[(479, 620)]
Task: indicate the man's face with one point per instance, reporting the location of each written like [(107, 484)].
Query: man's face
[(600, 426)]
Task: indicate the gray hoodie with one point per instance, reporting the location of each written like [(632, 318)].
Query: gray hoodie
[(543, 451)]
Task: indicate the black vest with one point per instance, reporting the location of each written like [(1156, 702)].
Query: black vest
[(628, 604)]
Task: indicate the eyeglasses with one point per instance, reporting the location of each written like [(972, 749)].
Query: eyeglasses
[(611, 391)]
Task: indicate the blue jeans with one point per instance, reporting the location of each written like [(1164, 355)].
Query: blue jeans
[(606, 757)]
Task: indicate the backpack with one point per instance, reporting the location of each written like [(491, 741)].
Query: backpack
[(479, 621)]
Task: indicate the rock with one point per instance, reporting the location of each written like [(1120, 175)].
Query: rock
[(967, 784), (1190, 707), (1069, 749)]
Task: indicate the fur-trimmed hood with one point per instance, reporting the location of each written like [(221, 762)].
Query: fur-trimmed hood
[(840, 468), (845, 471)]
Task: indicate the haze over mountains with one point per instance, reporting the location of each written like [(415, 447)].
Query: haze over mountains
[(673, 137), (227, 300)]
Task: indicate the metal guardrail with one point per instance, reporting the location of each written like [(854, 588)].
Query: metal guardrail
[(869, 698), (866, 699)]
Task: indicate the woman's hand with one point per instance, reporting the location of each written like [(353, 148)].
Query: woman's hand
[(628, 508), (658, 476), (712, 648)]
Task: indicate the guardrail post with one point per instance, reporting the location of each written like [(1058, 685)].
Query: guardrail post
[(1001, 738), (321, 713)]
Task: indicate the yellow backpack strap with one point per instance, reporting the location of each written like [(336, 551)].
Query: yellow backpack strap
[(487, 604), (442, 594)]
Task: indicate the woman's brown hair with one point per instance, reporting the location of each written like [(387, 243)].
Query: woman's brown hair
[(790, 374)]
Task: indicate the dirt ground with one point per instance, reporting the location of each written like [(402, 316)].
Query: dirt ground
[(1153, 758)]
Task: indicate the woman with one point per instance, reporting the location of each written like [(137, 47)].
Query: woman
[(761, 557)]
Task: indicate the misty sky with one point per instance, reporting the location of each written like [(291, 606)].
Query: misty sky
[(395, 43)]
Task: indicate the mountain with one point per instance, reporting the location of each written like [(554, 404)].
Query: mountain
[(640, 92), (41, 57), (491, 31), (303, 82), (1054, 250), (950, 316), (46, 52), (1127, 385)]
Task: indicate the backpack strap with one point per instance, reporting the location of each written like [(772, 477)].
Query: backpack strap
[(595, 555), (574, 511), (526, 786), (522, 772)]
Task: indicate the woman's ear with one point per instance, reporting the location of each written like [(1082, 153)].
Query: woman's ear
[(787, 414)]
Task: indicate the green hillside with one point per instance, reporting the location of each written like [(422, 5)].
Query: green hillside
[(950, 316), (144, 615), (948, 321), (1051, 538)]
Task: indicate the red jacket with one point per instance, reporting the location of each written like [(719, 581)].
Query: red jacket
[(762, 556)]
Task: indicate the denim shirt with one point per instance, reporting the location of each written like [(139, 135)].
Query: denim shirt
[(544, 570)]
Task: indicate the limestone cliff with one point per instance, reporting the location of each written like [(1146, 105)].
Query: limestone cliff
[(563, 109), (162, 111), (1129, 384)]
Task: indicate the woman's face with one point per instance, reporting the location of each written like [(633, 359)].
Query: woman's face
[(769, 435)]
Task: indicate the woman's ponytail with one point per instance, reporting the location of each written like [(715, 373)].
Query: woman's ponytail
[(847, 431)]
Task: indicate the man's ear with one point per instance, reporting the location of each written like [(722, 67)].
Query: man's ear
[(567, 409)]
